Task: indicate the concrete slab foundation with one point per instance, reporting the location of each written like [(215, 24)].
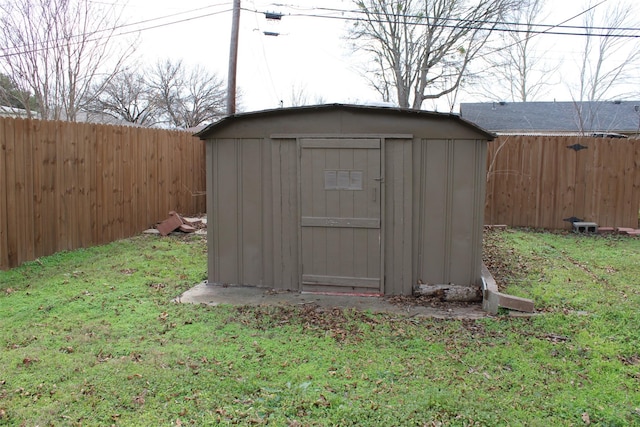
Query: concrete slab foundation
[(215, 294)]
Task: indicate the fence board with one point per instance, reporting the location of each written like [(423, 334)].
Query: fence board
[(4, 226), (46, 140), (539, 181), (12, 182), (71, 185)]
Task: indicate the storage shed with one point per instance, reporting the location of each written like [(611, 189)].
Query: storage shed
[(345, 199)]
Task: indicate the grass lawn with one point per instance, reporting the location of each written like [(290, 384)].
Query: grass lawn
[(91, 337)]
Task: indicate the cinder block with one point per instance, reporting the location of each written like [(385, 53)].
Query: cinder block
[(585, 227)]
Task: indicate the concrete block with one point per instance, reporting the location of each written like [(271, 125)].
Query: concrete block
[(585, 227)]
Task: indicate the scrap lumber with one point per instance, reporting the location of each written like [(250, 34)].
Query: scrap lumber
[(492, 299), (172, 223)]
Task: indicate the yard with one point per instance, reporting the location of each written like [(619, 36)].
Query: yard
[(91, 337)]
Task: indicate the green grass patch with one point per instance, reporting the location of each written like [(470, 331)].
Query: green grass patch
[(92, 337)]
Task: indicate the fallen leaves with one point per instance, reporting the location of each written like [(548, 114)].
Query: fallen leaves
[(630, 360), (28, 361), (340, 324), (139, 399), (24, 343), (103, 357), (157, 286), (556, 338), (322, 402), (503, 265)]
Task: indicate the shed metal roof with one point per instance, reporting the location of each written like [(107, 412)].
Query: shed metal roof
[(389, 111)]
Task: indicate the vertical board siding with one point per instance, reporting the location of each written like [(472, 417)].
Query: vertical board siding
[(227, 208), (267, 218), (253, 212), (537, 181), (283, 217), (398, 214), (433, 217), (252, 192), (449, 195), (70, 185), (212, 214), (290, 218), (463, 265), (433, 194)]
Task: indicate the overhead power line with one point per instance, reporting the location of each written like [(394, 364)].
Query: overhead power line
[(24, 49), (605, 32), (499, 26)]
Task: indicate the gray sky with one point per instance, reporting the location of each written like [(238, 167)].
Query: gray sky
[(309, 57)]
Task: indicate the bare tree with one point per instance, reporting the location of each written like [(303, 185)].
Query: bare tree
[(300, 97), (56, 49), (608, 62), (187, 98), (516, 72), (421, 49), (128, 97)]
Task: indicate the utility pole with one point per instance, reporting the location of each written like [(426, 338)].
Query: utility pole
[(233, 59)]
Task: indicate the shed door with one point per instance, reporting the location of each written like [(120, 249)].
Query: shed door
[(340, 209)]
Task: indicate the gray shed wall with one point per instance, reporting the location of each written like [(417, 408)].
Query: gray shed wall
[(433, 200), (253, 212)]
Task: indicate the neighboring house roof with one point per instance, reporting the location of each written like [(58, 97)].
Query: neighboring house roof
[(83, 116), (349, 108), (555, 117), (6, 111)]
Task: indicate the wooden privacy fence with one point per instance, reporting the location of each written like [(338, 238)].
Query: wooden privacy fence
[(70, 185), (542, 181)]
